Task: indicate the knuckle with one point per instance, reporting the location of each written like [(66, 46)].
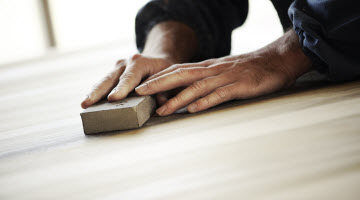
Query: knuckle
[(126, 79), (155, 82), (221, 92), (135, 56), (176, 99), (116, 91), (200, 103), (208, 62), (128, 75), (194, 71), (182, 73), (173, 102), (204, 102), (198, 85), (175, 66), (151, 85)]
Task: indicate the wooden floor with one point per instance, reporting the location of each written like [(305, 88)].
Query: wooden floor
[(303, 143)]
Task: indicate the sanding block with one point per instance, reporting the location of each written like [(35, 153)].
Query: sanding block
[(131, 112)]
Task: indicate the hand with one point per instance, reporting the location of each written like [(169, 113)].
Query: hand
[(167, 43), (214, 81), (125, 77)]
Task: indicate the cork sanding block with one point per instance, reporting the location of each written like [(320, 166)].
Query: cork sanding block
[(131, 112)]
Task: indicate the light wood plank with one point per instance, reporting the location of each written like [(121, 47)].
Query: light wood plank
[(303, 143)]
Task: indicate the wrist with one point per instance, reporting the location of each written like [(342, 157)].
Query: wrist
[(288, 56), (171, 40)]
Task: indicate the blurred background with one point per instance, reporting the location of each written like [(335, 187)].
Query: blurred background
[(37, 29)]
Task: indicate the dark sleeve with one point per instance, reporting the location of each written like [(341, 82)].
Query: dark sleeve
[(212, 20), (282, 7), (329, 33)]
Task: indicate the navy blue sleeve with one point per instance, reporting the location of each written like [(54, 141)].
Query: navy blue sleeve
[(212, 21), (329, 33)]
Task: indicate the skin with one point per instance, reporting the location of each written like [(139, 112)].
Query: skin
[(168, 43), (205, 84)]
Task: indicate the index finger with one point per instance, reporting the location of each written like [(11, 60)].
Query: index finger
[(103, 87), (173, 68), (175, 79)]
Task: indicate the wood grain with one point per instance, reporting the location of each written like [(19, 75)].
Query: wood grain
[(303, 143)]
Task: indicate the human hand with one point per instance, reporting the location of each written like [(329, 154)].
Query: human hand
[(126, 75), (214, 81)]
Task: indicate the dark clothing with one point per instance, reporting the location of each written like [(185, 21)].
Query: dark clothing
[(327, 29), (329, 33)]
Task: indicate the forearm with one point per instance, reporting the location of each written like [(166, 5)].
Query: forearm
[(172, 40)]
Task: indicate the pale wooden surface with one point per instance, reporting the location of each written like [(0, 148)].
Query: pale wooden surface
[(298, 144)]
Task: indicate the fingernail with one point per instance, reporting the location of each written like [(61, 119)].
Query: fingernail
[(161, 110), (142, 88), (192, 107)]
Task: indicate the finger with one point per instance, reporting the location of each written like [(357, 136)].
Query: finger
[(195, 91), (208, 63), (173, 68), (220, 95), (103, 87), (175, 79), (128, 81)]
